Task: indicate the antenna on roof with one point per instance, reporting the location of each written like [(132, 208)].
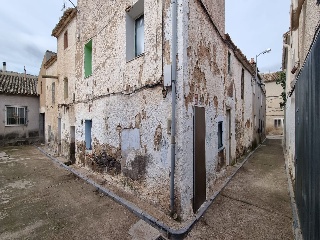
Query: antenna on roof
[(72, 3), (64, 5)]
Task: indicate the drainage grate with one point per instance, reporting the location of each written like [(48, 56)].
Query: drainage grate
[(160, 238)]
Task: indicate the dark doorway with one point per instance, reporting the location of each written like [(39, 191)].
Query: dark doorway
[(42, 127), (72, 144), (199, 158)]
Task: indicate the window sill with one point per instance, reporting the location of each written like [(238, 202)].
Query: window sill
[(139, 56), (221, 148), (16, 125), (85, 77)]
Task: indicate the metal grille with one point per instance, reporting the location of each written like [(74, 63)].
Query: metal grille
[(307, 190)]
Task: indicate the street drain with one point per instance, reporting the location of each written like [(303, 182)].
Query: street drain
[(160, 238)]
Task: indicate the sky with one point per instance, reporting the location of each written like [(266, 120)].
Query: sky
[(26, 26), (256, 25), (25, 32)]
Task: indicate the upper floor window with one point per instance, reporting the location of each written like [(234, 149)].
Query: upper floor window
[(65, 39), (139, 36), (16, 115), (135, 30), (88, 59)]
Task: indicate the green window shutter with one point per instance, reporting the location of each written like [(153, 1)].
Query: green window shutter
[(88, 59)]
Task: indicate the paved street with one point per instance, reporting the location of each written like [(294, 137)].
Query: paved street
[(40, 200), (255, 204)]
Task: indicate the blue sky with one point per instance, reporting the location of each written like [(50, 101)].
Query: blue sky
[(254, 25)]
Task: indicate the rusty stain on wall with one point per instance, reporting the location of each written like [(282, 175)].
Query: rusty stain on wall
[(157, 138)]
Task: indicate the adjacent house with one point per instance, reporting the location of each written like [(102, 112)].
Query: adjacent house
[(57, 81), (158, 97), (301, 138), (274, 113), (19, 108)]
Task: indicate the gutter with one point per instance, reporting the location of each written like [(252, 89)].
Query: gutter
[(169, 232), (173, 113)]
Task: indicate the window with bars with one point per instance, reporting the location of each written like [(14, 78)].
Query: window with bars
[(16, 115)]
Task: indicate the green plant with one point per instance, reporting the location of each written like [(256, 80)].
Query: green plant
[(282, 81)]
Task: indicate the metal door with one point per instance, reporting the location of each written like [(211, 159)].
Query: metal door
[(228, 136), (59, 135), (72, 144), (199, 158)]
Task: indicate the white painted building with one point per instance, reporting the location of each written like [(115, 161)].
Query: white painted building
[(305, 17), (124, 79), (274, 113)]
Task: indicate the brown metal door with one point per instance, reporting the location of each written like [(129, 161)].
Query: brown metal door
[(199, 158)]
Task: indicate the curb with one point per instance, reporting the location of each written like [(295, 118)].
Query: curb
[(163, 228)]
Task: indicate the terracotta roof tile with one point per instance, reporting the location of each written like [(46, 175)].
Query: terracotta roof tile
[(68, 15), (270, 77), (16, 83)]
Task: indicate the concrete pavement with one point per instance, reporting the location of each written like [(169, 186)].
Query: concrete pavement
[(40, 200), (255, 204)]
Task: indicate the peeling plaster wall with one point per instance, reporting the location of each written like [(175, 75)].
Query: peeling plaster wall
[(241, 108), (300, 42), (124, 99), (203, 86)]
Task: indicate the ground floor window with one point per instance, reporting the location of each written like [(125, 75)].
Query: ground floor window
[(278, 122), (16, 115)]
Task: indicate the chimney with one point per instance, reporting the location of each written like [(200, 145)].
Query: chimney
[(4, 69), (25, 73), (252, 61)]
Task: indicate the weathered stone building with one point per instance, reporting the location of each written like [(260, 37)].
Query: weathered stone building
[(305, 17), (301, 141), (274, 113), (163, 129), (19, 108), (57, 83)]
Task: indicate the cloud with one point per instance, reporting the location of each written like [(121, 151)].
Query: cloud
[(26, 32)]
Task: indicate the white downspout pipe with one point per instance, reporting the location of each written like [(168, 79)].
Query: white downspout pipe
[(173, 116)]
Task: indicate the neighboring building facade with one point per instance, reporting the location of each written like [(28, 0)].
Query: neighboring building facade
[(58, 75), (122, 106), (19, 104), (274, 113), (301, 140), (42, 90)]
